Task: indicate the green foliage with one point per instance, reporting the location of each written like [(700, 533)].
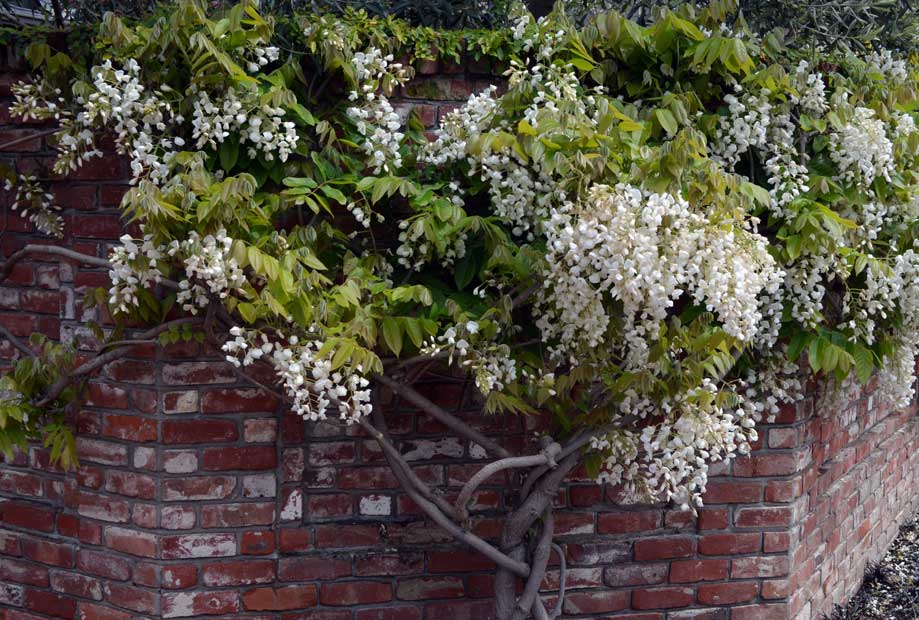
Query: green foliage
[(372, 260)]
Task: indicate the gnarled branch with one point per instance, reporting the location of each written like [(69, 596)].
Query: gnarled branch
[(438, 413)]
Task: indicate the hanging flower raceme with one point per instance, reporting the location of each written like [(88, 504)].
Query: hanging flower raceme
[(315, 387), (645, 250)]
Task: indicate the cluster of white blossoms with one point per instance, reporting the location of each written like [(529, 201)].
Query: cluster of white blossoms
[(242, 113), (491, 364), (259, 56), (745, 126), (135, 266), (811, 97), (140, 119), (210, 269), (415, 251), (375, 118), (309, 380), (645, 250), (472, 119), (861, 150), (884, 63), (37, 205), (669, 460)]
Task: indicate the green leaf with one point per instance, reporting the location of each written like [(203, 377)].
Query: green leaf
[(392, 335), (667, 120), (228, 151)]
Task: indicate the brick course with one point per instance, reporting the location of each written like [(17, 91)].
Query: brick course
[(200, 497)]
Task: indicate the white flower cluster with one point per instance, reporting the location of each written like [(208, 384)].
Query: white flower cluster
[(140, 119), (135, 265), (242, 113), (259, 56), (670, 460), (309, 380), (375, 118), (882, 62), (490, 363), (746, 126), (415, 251), (471, 119), (811, 97), (210, 269), (36, 204), (645, 250), (861, 150)]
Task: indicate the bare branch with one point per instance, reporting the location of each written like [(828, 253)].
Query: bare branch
[(390, 450), (107, 357), (38, 134), (562, 582), (457, 426), (435, 514), (50, 250), (16, 342), (538, 566), (546, 457)]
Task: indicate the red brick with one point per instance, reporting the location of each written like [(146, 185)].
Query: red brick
[(389, 564), (131, 484), (355, 593), (102, 452), (198, 546), (256, 543), (198, 488), (328, 505), (199, 431), (130, 541), (210, 603), (730, 544), (691, 571), (596, 602), (663, 548), (760, 566), (727, 593), (179, 576), (766, 465), (249, 459), (421, 588), (50, 604), (310, 568), (47, 552), (138, 599), (347, 535), (760, 612), (775, 542), (775, 516), (103, 565), (27, 515), (294, 540), (458, 560), (76, 585), (280, 599), (23, 572), (622, 575), (249, 400), (20, 483), (733, 492), (91, 611), (241, 573), (625, 522), (389, 613), (663, 598), (237, 515)]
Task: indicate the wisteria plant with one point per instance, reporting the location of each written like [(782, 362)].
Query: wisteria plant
[(645, 234)]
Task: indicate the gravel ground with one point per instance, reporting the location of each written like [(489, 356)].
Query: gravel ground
[(891, 588)]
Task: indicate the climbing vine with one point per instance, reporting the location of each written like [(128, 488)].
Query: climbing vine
[(648, 233)]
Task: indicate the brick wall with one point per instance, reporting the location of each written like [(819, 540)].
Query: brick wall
[(199, 496)]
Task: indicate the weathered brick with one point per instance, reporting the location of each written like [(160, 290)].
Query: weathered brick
[(284, 598)]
